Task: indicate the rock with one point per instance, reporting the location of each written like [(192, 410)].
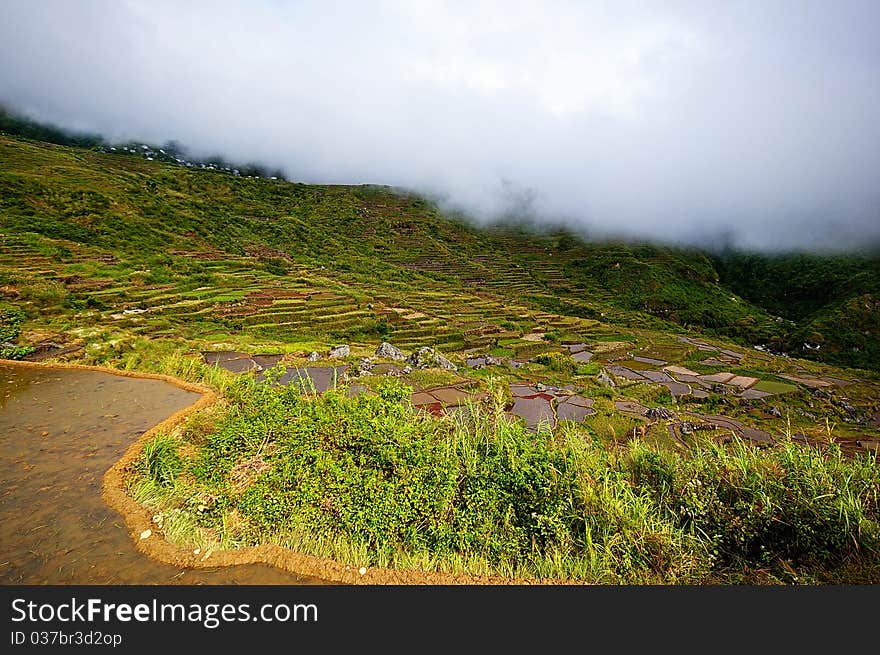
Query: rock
[(493, 361), (406, 370), (775, 412), (146, 534), (445, 363), (845, 406), (388, 351), (427, 357), (339, 351), (604, 379), (313, 356), (658, 413), (365, 366), (362, 570)]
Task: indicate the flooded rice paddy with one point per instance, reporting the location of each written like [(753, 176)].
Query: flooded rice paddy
[(60, 430)]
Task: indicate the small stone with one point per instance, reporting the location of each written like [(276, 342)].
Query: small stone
[(659, 413), (197, 551), (340, 351), (365, 366), (313, 357), (146, 534), (362, 570), (44, 434), (604, 379)]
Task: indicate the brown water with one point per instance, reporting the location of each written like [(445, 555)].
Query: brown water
[(60, 430)]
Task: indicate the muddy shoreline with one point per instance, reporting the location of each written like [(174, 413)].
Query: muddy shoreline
[(138, 518)]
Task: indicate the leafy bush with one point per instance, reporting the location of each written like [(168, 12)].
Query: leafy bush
[(11, 319), (559, 362)]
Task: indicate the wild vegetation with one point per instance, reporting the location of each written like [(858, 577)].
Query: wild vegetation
[(832, 301), (369, 481)]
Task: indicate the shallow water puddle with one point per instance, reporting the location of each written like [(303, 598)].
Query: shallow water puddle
[(60, 430)]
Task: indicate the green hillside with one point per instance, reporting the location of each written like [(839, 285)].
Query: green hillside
[(366, 245), (601, 416), (832, 300)]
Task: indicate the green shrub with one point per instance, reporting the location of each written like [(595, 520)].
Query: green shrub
[(11, 319), (558, 362)]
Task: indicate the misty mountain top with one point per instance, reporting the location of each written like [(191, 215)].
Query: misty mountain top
[(752, 124)]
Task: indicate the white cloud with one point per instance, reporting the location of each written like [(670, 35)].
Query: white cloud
[(679, 120)]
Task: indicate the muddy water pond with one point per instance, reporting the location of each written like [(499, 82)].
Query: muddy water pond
[(60, 430)]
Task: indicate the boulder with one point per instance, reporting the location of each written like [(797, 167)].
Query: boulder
[(426, 357), (339, 351), (388, 351), (313, 356), (604, 379)]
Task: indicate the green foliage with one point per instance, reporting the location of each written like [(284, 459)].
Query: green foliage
[(557, 362), (791, 502), (590, 368), (275, 265), (11, 319), (372, 477), (160, 461), (833, 299)]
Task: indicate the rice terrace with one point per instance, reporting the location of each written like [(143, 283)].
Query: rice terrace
[(357, 386)]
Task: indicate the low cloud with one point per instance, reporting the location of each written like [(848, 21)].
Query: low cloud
[(753, 123)]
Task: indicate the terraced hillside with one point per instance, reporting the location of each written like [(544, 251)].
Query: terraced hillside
[(363, 245), (102, 253), (117, 260)]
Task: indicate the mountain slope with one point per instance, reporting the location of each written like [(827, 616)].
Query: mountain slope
[(381, 254), (834, 300)]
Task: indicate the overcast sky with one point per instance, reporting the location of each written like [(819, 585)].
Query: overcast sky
[(664, 120)]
